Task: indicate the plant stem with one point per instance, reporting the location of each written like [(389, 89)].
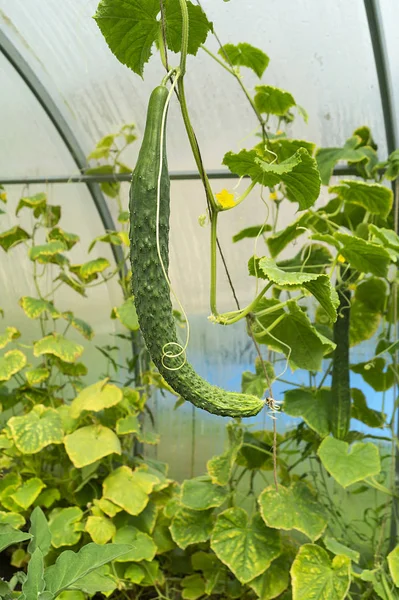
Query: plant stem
[(214, 219), (221, 63)]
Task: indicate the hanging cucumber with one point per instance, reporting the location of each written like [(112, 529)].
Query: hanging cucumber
[(150, 226), (340, 385)]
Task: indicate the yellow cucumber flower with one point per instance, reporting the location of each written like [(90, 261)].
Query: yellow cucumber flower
[(225, 199)]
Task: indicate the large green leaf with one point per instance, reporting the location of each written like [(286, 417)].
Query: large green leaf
[(298, 173), (375, 198), (293, 508), (13, 237), (88, 444), (220, 467), (70, 566), (129, 489), (58, 345), (327, 158), (349, 465), (96, 397), (315, 577), (246, 547), (366, 310), (28, 492), (131, 28), (318, 285), (64, 525), (311, 258), (272, 100), (40, 530), (34, 584), (393, 563), (388, 237), (200, 494), (126, 313), (294, 336), (10, 536), (11, 363), (143, 547), (313, 408), (360, 410), (364, 256), (191, 526), (273, 581), (245, 55), (36, 430), (374, 374)]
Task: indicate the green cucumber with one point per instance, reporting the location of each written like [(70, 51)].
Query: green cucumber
[(151, 290), (340, 385)]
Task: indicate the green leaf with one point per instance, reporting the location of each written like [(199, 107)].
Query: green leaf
[(36, 376), (298, 173), (191, 526), (43, 251), (272, 100), (315, 577), (37, 429), (73, 283), (13, 237), (35, 307), (161, 535), (129, 489), (100, 580), (349, 465), (281, 239), (327, 158), (257, 383), (313, 408), (393, 563), (40, 531), (293, 508), (273, 581), (147, 574), (199, 26), (294, 336), (10, 334), (245, 55), (38, 201), (11, 518), (364, 256), (70, 566), (246, 547), (251, 232), (64, 525), (93, 267), (127, 314), (48, 497), (34, 584), (256, 452), (10, 536), (88, 444), (340, 549), (312, 258), (375, 198), (109, 238), (131, 29), (109, 508), (126, 425), (96, 397), (317, 284), (193, 587), (100, 529), (220, 467), (286, 147), (201, 494), (84, 328), (366, 310), (376, 578), (59, 346), (143, 548), (361, 412), (28, 492), (373, 373), (11, 363), (103, 147)]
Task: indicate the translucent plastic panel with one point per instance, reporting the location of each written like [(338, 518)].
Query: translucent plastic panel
[(319, 51), (390, 19)]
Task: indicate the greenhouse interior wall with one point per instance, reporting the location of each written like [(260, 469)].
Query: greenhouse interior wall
[(321, 51)]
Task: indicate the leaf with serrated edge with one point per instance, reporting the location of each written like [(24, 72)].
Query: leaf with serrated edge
[(293, 508)]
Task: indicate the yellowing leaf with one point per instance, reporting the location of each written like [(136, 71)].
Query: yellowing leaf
[(59, 346), (36, 430), (88, 444), (96, 397), (100, 529)]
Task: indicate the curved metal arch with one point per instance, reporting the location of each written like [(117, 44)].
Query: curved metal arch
[(49, 105)]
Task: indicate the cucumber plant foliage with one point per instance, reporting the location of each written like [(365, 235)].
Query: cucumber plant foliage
[(85, 508)]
